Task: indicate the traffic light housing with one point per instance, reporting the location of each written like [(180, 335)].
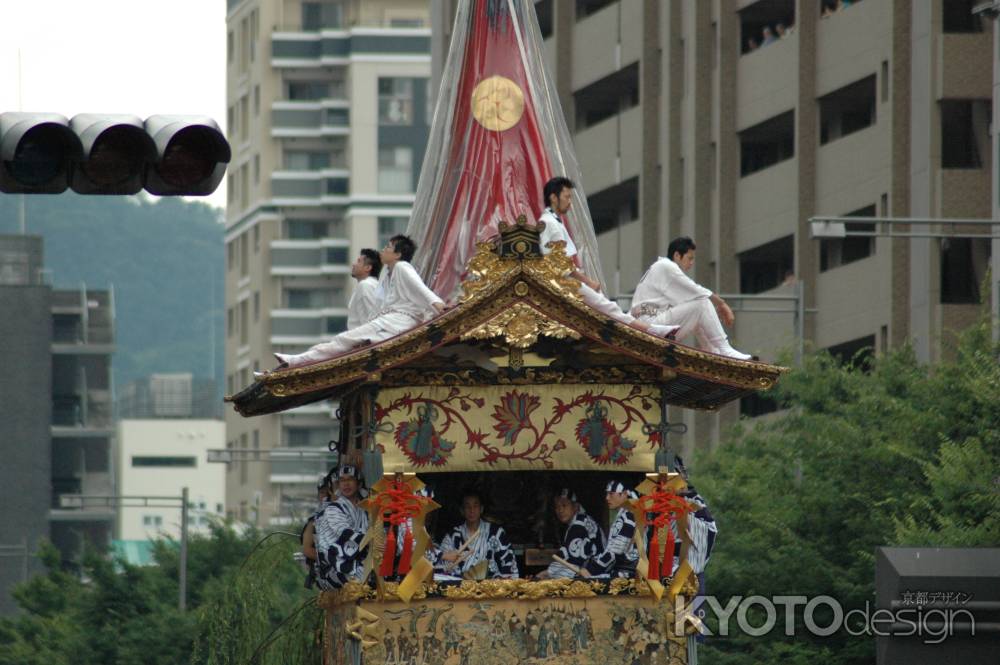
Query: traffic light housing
[(167, 155)]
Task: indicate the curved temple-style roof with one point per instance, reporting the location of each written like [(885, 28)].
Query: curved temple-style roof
[(519, 321)]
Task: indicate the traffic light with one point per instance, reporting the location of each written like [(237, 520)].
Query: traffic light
[(167, 155)]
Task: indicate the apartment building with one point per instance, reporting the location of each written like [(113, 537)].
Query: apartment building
[(689, 119), (56, 409), (328, 118)]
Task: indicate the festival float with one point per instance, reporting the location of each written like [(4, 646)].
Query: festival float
[(518, 389)]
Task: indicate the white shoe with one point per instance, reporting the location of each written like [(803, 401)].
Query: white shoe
[(661, 330), (725, 349)]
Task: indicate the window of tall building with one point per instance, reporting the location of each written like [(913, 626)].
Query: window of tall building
[(857, 352), (964, 263), (336, 255), (305, 229), (244, 119), (230, 47), (163, 461), (244, 466), (152, 520), (964, 132), (231, 127), (828, 8), (244, 186), (767, 143), (957, 16), (765, 22), (767, 266), (244, 324), (244, 45), (256, 306), (395, 170), (615, 205), (244, 255), (307, 90), (336, 324), (607, 97), (543, 10), (254, 27), (256, 100), (847, 110), (389, 227), (306, 160), (585, 8), (835, 252), (395, 101), (256, 172), (322, 15), (230, 322)]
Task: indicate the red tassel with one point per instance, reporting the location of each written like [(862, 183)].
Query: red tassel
[(385, 570), (404, 558), (654, 555)]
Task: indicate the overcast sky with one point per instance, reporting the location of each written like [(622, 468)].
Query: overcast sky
[(115, 56)]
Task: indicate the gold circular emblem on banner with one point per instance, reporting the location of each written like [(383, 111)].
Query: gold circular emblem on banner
[(497, 103)]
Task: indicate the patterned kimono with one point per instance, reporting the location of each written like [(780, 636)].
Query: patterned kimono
[(582, 541), (620, 556), (492, 545), (339, 532)]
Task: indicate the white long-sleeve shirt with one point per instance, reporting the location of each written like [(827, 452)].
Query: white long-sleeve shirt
[(554, 230), (663, 286), (403, 292), (364, 303)]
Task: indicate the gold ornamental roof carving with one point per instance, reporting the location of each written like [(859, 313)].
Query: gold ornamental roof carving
[(518, 303)]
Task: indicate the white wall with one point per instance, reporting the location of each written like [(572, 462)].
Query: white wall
[(206, 482)]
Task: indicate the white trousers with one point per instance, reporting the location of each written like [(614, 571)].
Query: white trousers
[(697, 317), (602, 304), (380, 328)]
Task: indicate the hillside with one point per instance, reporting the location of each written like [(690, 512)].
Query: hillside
[(163, 258)]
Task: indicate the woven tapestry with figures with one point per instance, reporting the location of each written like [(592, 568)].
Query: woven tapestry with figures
[(533, 427)]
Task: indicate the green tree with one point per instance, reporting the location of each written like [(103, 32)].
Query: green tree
[(860, 458)]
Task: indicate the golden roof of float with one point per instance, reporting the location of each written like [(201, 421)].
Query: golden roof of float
[(520, 320)]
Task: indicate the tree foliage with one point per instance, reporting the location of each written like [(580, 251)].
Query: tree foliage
[(896, 453)]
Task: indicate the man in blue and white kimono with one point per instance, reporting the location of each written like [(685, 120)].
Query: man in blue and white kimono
[(620, 556), (339, 532), (489, 543), (582, 541)]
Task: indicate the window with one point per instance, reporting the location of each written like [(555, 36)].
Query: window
[(305, 229), (230, 321), (395, 170), (163, 461), (244, 255), (336, 255), (767, 266), (256, 172), (244, 119), (244, 45), (256, 238), (253, 35), (828, 8), (964, 262), (835, 252), (958, 17), (607, 97), (256, 306), (857, 353), (847, 110), (244, 466), (395, 101), (885, 81), (152, 520), (964, 133), (615, 205), (321, 15), (244, 324), (256, 100), (768, 143), (389, 227), (336, 324), (543, 10), (306, 160), (765, 22), (244, 186), (230, 47), (585, 8), (231, 254), (308, 90), (231, 121), (218, 508)]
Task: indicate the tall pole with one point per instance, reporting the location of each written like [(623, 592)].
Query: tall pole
[(182, 603)]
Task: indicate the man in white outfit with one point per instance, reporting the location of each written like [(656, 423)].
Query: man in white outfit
[(558, 194), (666, 295), (407, 303), (365, 301)]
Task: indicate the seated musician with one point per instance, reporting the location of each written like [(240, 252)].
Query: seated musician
[(307, 537), (620, 556), (339, 532), (582, 541), (475, 541)]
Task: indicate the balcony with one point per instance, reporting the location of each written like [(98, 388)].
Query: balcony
[(842, 313), (591, 64), (767, 81), (766, 205), (325, 256), (338, 47), (857, 165), (82, 415), (852, 43), (601, 166), (310, 119), (300, 465), (320, 187)]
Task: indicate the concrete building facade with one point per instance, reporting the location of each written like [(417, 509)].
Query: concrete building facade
[(686, 123), (159, 457), (328, 118), (56, 410)]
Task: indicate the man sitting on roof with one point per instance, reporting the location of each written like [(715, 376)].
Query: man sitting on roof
[(406, 303), (365, 302), (558, 195), (667, 296)]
